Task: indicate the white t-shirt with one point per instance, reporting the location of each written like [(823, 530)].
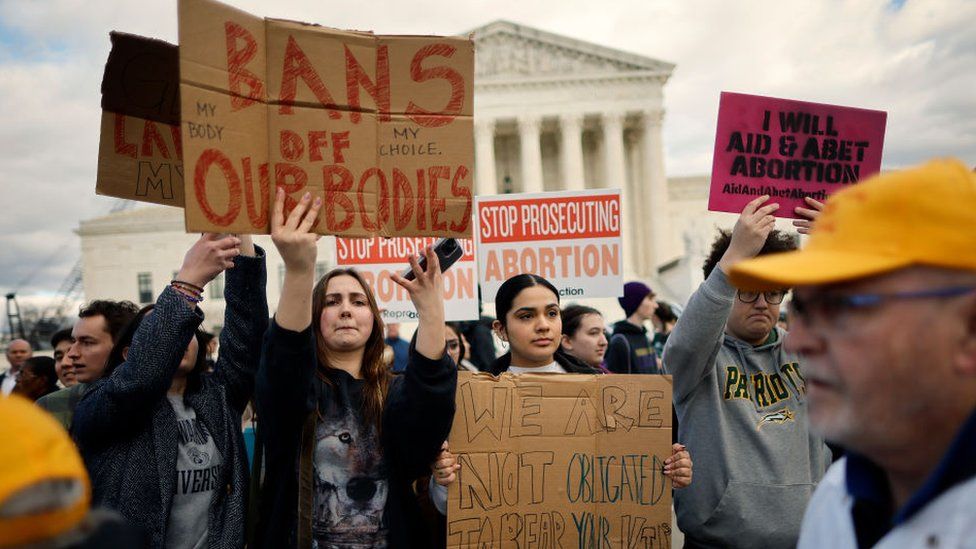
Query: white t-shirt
[(198, 475), (552, 367)]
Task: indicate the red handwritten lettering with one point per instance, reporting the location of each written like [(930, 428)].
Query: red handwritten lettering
[(431, 119), (257, 215), (296, 65), (121, 147), (457, 190), (208, 158), (292, 147), (379, 90), (316, 142), (177, 141), (238, 76), (383, 208), (402, 200), (340, 141), (150, 135), (338, 180), (437, 205)]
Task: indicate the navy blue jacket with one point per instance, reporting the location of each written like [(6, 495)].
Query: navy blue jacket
[(126, 428)]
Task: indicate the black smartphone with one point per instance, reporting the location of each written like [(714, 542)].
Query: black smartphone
[(448, 251)]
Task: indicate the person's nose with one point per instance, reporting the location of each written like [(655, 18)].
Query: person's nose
[(802, 339)]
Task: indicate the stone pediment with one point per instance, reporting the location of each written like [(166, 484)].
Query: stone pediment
[(506, 50)]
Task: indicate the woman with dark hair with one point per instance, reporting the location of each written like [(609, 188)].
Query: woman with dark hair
[(584, 335), (529, 321), (344, 438), (160, 437)]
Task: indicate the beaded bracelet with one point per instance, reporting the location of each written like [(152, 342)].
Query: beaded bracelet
[(188, 294), (194, 287)]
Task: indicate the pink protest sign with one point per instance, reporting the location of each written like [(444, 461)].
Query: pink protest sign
[(789, 150)]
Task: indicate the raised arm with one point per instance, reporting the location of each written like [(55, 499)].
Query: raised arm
[(427, 293), (298, 248), (122, 401), (288, 352), (698, 334), (420, 408), (245, 321)]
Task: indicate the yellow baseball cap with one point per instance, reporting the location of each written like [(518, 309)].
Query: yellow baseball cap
[(919, 216), (44, 488)]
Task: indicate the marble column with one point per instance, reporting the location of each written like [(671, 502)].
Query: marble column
[(615, 176), (615, 165), (571, 153), (655, 190), (529, 128), (484, 159)]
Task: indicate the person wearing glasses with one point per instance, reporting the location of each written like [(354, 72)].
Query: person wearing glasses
[(884, 320), (741, 402)]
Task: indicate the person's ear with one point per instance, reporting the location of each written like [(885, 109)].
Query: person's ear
[(125, 353), (499, 330), (566, 343), (965, 359)]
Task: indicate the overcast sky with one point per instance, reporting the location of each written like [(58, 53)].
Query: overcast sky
[(914, 59)]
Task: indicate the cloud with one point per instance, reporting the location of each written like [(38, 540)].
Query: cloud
[(912, 58)]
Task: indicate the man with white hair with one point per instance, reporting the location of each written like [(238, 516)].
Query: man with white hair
[(18, 351)]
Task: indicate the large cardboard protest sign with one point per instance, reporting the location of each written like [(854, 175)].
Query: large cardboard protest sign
[(560, 460), (790, 150), (571, 238), (378, 258), (140, 153), (380, 127)]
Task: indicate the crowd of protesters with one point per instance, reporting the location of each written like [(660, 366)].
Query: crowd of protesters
[(352, 420)]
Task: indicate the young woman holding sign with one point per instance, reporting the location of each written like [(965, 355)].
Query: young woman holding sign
[(529, 320), (344, 438)]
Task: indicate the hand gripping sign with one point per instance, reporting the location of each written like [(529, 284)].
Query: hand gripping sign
[(560, 460)]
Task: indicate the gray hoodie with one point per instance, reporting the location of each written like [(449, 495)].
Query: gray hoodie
[(742, 413)]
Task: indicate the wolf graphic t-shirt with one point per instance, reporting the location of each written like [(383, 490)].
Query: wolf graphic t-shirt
[(350, 481), (198, 474)]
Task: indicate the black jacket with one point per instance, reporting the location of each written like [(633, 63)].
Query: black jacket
[(630, 351), (417, 418), (126, 428)]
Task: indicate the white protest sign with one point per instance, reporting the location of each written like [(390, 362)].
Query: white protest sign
[(571, 238), (378, 258)]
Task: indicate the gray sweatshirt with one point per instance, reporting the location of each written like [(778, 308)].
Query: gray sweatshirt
[(742, 413)]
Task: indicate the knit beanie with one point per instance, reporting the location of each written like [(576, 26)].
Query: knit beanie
[(634, 293)]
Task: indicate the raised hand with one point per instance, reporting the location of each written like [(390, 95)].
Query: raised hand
[(298, 248), (678, 466), (208, 257), (749, 234), (810, 215), (427, 293), (292, 236)]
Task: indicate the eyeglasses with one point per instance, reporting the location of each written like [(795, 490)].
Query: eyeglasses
[(774, 297), (833, 306)]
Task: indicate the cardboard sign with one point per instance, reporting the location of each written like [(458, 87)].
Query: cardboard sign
[(378, 258), (560, 460), (571, 238), (790, 150), (380, 127), (140, 153)]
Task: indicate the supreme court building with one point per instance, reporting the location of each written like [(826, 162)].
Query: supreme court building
[(551, 113)]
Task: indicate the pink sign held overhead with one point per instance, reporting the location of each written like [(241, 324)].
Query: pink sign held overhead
[(790, 150)]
